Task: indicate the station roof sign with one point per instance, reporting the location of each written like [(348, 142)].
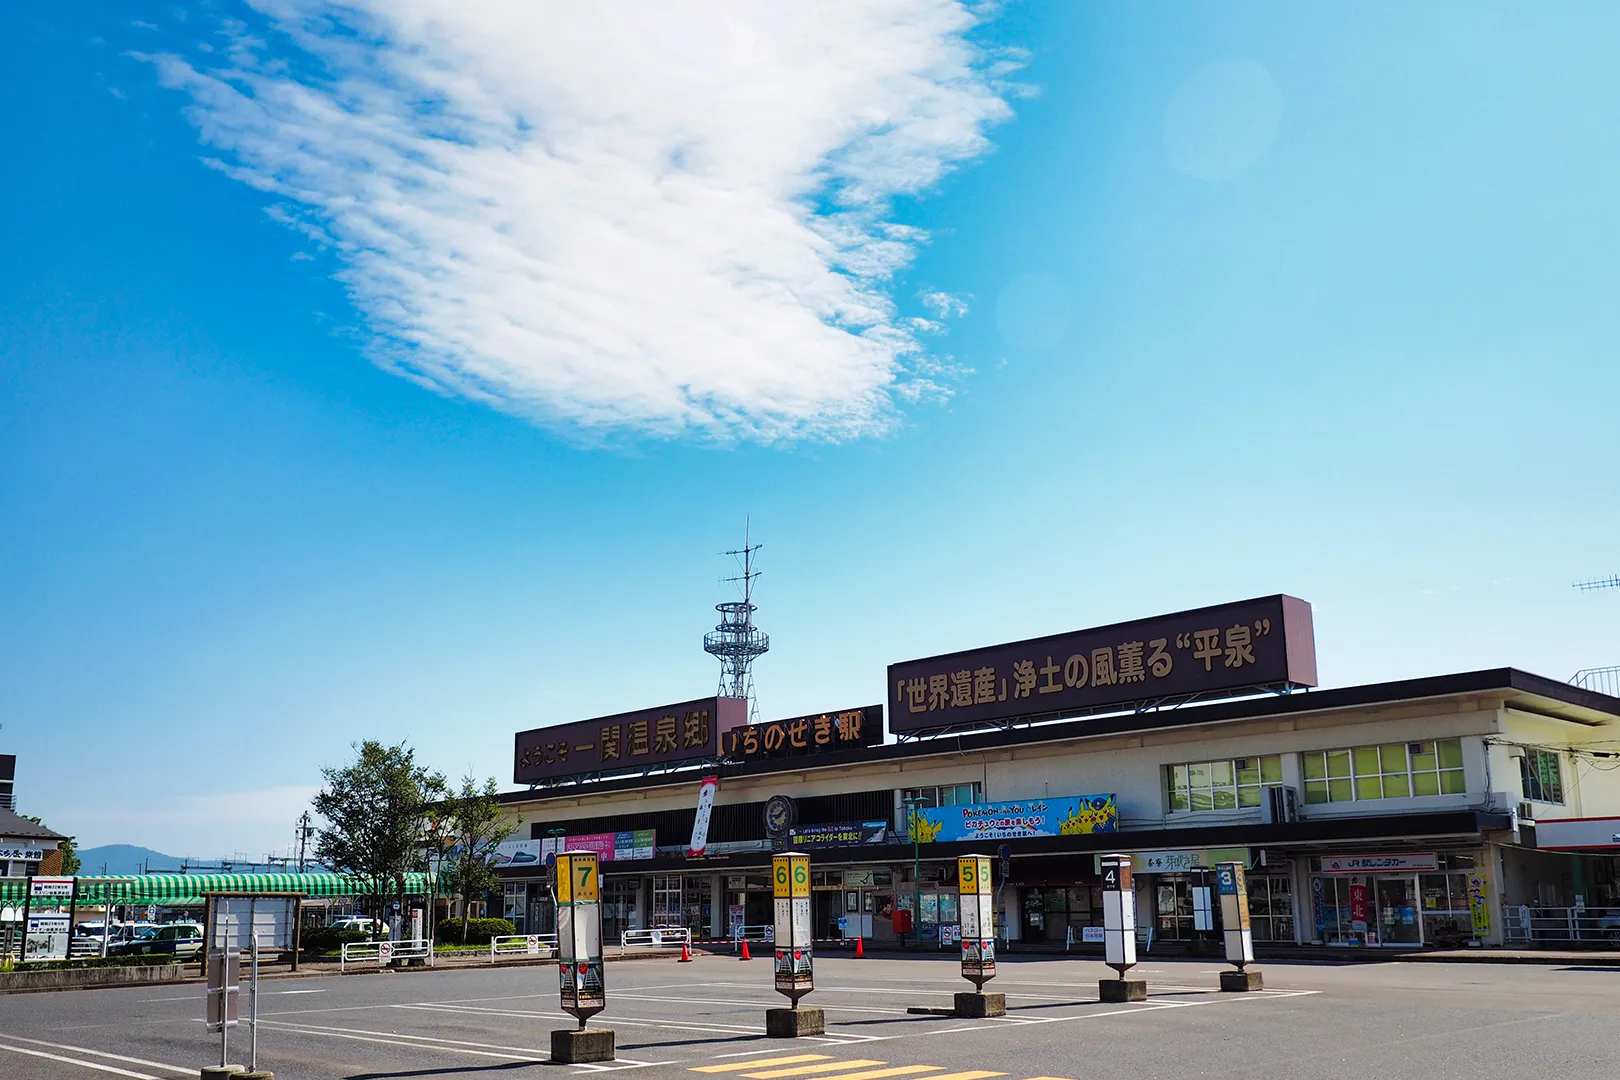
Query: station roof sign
[(801, 736), (689, 731), (1208, 652)]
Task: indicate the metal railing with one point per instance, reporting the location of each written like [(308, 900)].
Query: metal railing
[(1562, 924), (383, 952), (656, 937), (522, 945), (1603, 680), (766, 932)]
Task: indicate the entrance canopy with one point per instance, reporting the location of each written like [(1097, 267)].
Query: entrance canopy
[(174, 889)]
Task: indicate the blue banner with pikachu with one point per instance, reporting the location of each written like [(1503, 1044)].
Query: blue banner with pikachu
[(1076, 815)]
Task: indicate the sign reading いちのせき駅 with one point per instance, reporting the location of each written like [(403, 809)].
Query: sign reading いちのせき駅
[(624, 742), (815, 733), (1209, 651)]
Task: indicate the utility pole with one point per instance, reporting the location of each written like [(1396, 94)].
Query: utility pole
[(305, 831)]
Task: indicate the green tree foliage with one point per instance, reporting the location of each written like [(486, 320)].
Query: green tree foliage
[(470, 825), (377, 810)]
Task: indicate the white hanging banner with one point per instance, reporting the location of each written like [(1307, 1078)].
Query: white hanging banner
[(700, 824)]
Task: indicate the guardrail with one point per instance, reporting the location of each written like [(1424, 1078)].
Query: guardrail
[(1562, 924), (740, 934), (656, 937), (383, 952), (522, 945)]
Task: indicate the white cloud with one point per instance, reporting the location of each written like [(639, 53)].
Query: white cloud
[(672, 218)]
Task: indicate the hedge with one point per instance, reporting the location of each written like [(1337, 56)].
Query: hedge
[(330, 939), (479, 931)]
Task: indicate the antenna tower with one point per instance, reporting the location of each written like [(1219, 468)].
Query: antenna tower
[(737, 642), (1610, 582)]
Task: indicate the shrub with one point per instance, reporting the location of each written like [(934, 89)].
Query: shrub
[(479, 931), (157, 960), (328, 939)]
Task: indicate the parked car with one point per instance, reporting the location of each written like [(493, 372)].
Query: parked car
[(183, 941), (357, 922), (1609, 926)]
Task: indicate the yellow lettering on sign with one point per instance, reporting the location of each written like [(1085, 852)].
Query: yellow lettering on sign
[(565, 878)]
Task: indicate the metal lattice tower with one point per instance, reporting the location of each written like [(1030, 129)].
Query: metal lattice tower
[(736, 642), (1610, 582)]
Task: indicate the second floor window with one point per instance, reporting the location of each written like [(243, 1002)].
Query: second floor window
[(1542, 776), (1229, 784), (1390, 771)]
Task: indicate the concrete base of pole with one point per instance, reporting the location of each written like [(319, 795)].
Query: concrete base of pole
[(1241, 982), (977, 1006), (573, 1047), (209, 1071), (261, 1074), (792, 1023), (1114, 991)]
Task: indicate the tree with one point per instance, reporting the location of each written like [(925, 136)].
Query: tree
[(470, 821), (70, 851), (377, 812)]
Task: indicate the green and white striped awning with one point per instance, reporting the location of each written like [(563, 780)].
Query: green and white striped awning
[(189, 888)]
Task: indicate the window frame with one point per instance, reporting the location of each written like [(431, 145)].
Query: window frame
[(1378, 771), (1178, 777), (1534, 783)]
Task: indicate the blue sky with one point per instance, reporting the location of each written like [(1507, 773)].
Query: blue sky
[(1070, 314)]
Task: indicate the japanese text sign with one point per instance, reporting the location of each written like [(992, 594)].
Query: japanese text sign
[(1229, 648), (847, 729), (688, 731), (840, 834), (1078, 815)]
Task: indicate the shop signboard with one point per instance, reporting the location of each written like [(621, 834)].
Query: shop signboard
[(609, 847), (579, 934), (47, 937), (1358, 905), (842, 834), (791, 944), (1379, 864), (50, 888), (1077, 815), (801, 736), (688, 731), (1181, 862), (1208, 652), (21, 853)]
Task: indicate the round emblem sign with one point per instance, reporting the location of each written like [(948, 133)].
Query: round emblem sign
[(781, 814)]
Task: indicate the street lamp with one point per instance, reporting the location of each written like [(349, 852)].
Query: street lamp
[(913, 806)]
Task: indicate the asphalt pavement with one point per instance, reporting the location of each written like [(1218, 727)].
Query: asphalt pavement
[(705, 1021)]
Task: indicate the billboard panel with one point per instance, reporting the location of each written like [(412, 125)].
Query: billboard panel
[(1208, 651), (668, 735)]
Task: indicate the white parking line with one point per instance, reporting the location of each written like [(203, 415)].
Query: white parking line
[(75, 1061), (413, 1042), (103, 1054)]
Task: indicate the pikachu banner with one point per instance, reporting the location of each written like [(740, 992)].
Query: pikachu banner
[(1071, 816)]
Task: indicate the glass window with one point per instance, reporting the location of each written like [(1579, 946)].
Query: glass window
[(1541, 774), (1220, 785), (1390, 771)]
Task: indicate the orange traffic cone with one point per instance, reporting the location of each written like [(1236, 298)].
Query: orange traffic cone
[(860, 948), (745, 955), (686, 953)]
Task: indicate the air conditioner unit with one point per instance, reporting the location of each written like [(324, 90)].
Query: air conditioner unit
[(1527, 812), (1240, 764), (1279, 804)]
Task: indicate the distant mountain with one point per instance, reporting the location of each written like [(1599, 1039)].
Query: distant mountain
[(124, 859)]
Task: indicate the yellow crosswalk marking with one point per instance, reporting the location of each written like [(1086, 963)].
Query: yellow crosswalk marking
[(805, 1070), (974, 1076), (1037, 1078), (759, 1063), (880, 1074)]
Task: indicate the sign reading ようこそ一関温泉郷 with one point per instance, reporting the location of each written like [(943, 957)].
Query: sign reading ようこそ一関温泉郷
[(688, 731), (1229, 648)]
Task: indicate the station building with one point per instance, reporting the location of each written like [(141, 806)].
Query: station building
[(1419, 813)]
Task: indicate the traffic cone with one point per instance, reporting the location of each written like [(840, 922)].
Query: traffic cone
[(686, 953), (745, 955), (860, 948)]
